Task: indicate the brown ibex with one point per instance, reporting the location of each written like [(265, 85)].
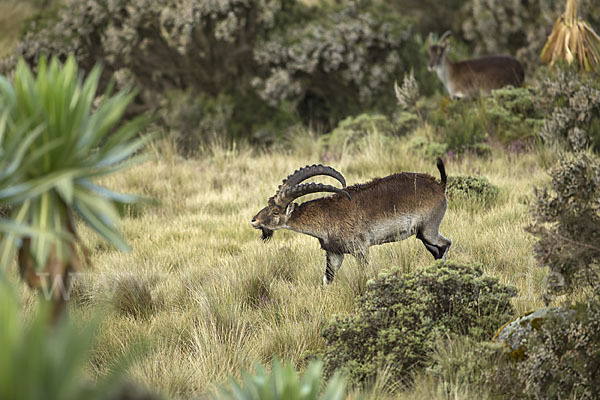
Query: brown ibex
[(383, 210), (469, 78)]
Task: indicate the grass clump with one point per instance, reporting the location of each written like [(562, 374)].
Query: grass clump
[(467, 191), (400, 316)]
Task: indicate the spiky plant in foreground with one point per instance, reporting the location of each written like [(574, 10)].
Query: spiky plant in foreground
[(573, 38), (283, 383), (53, 143)]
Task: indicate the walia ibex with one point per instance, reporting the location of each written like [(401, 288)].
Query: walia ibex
[(357, 217), (470, 78)]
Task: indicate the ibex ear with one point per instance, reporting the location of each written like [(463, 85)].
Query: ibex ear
[(290, 209), (430, 40)]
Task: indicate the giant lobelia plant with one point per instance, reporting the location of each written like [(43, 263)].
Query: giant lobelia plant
[(54, 142)]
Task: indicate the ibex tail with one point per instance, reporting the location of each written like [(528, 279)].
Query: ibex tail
[(440, 165)]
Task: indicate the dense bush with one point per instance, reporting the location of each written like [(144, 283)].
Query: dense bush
[(460, 125), (573, 103), (513, 114), (342, 63), (471, 189), (567, 224), (400, 316), (200, 48), (350, 134), (255, 66), (563, 357), (561, 360)]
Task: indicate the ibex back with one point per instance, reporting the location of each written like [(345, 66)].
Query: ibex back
[(357, 217), (470, 78)]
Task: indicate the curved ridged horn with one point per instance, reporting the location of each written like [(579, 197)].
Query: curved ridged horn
[(285, 197), (444, 36), (309, 171)]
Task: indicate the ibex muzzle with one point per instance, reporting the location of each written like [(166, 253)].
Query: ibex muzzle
[(470, 78), (357, 217)]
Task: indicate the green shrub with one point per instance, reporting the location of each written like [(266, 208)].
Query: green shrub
[(262, 65), (460, 125), (351, 132), (283, 383), (507, 115), (400, 316), (563, 357), (341, 63), (572, 101), (198, 48), (513, 114), (567, 224), (468, 190), (429, 149)]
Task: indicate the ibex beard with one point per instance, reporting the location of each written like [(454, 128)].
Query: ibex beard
[(357, 217)]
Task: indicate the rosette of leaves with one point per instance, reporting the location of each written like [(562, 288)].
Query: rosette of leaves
[(53, 144), (284, 383)]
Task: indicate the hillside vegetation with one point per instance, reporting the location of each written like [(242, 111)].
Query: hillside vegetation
[(212, 298), (201, 299)]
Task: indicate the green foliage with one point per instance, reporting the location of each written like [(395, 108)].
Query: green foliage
[(195, 120), (463, 362), (572, 102), (262, 64), (341, 63), (462, 190), (429, 149), (53, 143), (400, 316), (283, 383), (513, 114), (567, 224), (563, 357), (351, 133), (460, 125), (507, 115), (39, 361)]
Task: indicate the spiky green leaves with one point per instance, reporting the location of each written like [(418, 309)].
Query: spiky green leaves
[(54, 140)]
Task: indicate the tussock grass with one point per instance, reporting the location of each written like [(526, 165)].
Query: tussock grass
[(12, 15), (212, 299)]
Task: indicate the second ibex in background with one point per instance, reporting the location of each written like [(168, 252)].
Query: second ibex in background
[(357, 217), (470, 78)]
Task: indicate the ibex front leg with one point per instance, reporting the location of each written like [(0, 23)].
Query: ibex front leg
[(334, 262)]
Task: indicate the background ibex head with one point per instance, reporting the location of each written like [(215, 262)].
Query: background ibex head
[(437, 49), (281, 206)]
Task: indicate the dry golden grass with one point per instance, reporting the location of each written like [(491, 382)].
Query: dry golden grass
[(12, 15), (212, 299)]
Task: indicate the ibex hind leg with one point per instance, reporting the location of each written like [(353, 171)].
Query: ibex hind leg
[(436, 244), (334, 262)]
